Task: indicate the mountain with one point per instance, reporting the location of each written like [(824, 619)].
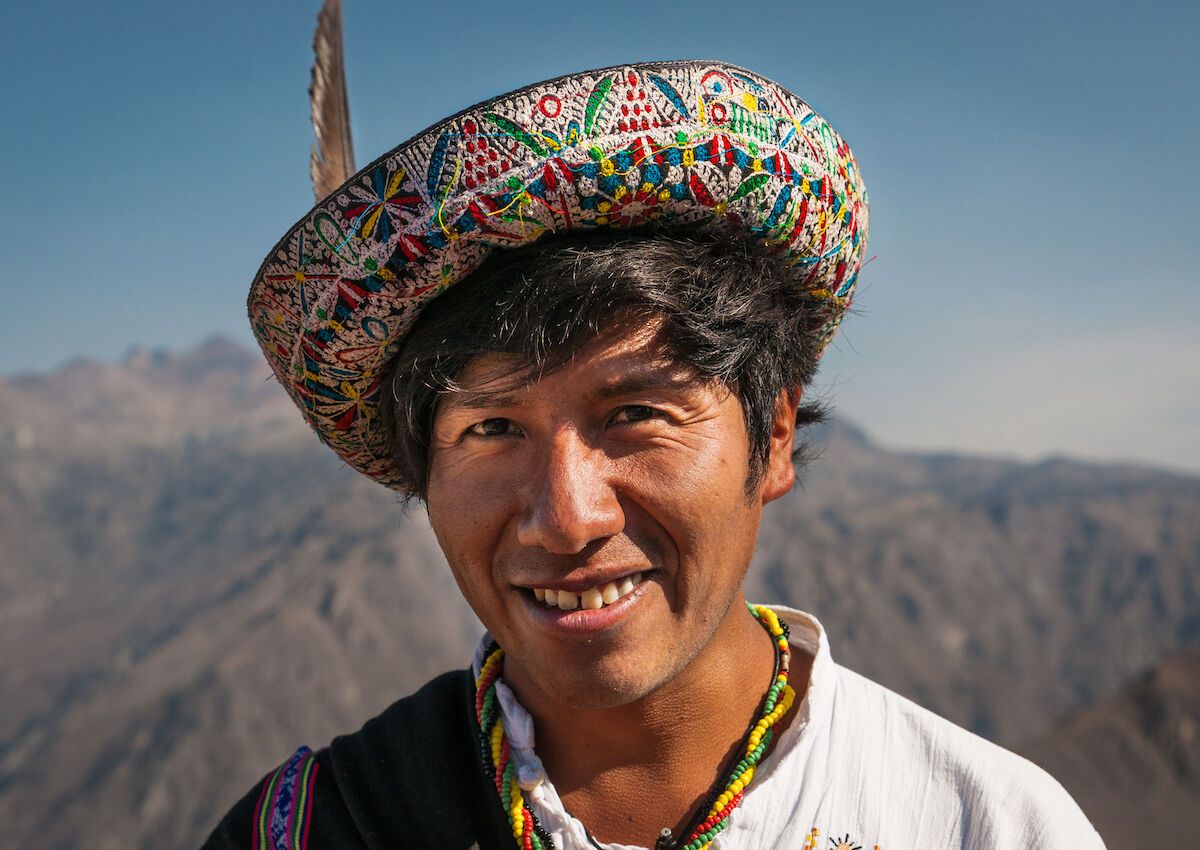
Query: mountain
[(999, 594), (1132, 762), (191, 586)]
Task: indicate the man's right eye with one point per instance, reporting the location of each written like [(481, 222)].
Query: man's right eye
[(497, 427)]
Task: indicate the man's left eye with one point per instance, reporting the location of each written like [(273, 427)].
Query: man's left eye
[(631, 413)]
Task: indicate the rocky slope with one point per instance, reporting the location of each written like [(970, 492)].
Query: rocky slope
[(1133, 761)]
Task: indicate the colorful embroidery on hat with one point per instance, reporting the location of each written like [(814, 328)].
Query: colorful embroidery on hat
[(689, 142), (284, 809)]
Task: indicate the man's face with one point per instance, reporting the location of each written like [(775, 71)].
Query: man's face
[(619, 475)]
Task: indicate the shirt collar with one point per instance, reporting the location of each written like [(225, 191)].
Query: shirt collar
[(805, 633)]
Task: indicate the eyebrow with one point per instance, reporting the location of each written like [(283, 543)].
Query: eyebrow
[(478, 401), (640, 382), (628, 384)]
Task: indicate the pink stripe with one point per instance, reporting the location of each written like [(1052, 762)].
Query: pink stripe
[(312, 784), (258, 811), (274, 784)]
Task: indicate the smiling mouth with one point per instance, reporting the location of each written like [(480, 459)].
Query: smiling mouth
[(592, 599)]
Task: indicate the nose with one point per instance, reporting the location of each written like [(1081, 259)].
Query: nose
[(570, 501)]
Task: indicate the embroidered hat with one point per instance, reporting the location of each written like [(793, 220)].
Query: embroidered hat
[(703, 143)]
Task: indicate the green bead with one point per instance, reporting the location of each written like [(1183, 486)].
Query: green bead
[(505, 793)]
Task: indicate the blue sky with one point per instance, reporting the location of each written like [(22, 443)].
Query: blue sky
[(1032, 170)]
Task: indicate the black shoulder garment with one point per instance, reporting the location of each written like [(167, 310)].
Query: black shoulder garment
[(411, 777)]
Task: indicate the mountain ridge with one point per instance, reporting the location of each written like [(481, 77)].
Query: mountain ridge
[(192, 586)]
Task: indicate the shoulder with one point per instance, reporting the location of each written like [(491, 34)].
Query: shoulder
[(439, 711), (405, 772), (278, 811), (990, 796)]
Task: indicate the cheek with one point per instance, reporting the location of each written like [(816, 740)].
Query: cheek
[(709, 468), (467, 515), (466, 488), (698, 495)]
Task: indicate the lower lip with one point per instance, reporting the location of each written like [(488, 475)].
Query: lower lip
[(582, 621)]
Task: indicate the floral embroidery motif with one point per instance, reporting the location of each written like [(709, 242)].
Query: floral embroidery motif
[(844, 843)]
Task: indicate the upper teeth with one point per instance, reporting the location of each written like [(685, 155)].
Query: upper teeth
[(591, 599)]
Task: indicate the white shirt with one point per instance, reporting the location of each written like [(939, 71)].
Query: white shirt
[(859, 767)]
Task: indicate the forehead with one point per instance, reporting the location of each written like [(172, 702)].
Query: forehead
[(621, 359)]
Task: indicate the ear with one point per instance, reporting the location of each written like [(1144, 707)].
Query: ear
[(780, 475)]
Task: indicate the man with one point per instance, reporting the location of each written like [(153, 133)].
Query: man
[(578, 322)]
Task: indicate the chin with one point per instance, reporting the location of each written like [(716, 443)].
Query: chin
[(602, 683)]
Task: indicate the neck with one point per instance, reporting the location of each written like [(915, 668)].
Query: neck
[(629, 771)]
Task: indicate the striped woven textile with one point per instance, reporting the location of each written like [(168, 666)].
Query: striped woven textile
[(284, 808)]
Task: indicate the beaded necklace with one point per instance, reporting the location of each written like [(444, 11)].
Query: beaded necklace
[(530, 835)]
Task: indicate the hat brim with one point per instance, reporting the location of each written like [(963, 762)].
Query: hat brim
[(682, 142)]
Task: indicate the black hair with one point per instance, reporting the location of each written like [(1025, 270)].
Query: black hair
[(731, 309)]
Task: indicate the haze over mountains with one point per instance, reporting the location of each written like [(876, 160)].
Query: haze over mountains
[(191, 586)]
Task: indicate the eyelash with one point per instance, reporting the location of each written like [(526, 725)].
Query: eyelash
[(474, 431), (654, 413)]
